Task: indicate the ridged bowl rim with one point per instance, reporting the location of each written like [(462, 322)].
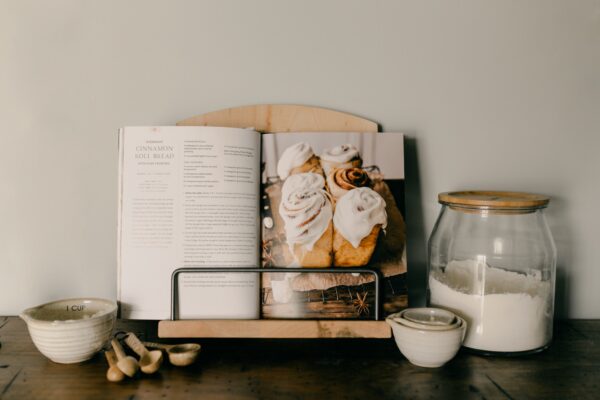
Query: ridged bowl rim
[(26, 315)]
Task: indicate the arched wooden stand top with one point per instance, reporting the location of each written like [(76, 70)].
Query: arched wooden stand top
[(271, 118)]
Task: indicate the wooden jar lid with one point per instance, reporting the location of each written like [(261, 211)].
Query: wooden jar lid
[(494, 200)]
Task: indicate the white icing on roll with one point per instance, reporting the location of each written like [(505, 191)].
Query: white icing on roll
[(292, 157), (357, 212), (340, 154), (305, 180), (306, 213)]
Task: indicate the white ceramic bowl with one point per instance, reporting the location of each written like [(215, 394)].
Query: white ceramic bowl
[(428, 318), (73, 330), (427, 348)]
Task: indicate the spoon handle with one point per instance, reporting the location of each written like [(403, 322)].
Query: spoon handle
[(111, 357), (135, 344), (118, 349), (155, 345)]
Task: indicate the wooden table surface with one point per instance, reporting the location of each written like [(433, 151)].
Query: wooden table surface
[(311, 369)]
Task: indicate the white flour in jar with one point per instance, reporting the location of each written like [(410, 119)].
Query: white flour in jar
[(513, 312)]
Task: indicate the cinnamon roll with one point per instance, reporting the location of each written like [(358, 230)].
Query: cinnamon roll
[(304, 180), (296, 159), (342, 180), (343, 156), (359, 217), (307, 215)]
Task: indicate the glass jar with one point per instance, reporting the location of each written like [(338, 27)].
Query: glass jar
[(492, 260)]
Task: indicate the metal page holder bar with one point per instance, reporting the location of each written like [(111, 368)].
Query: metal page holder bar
[(347, 270)]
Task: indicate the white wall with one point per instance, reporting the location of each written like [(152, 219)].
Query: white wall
[(494, 94)]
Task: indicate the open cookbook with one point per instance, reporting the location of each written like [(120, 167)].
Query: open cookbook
[(227, 197)]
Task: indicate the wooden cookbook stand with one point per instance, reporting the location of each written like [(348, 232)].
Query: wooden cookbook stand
[(270, 118)]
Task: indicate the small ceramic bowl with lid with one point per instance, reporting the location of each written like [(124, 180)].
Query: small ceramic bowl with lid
[(73, 330), (428, 337)]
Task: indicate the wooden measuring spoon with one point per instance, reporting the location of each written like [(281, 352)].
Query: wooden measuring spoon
[(127, 364), (180, 355), (114, 374), (150, 361)]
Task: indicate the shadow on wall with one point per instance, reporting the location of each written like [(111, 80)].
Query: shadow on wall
[(416, 246), (556, 215)]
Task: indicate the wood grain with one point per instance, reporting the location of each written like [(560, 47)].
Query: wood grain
[(316, 369), (494, 199), (274, 329), (268, 118)]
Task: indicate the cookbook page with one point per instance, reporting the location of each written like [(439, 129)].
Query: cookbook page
[(333, 200), (188, 198)]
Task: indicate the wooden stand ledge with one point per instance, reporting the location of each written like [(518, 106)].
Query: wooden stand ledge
[(274, 329)]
